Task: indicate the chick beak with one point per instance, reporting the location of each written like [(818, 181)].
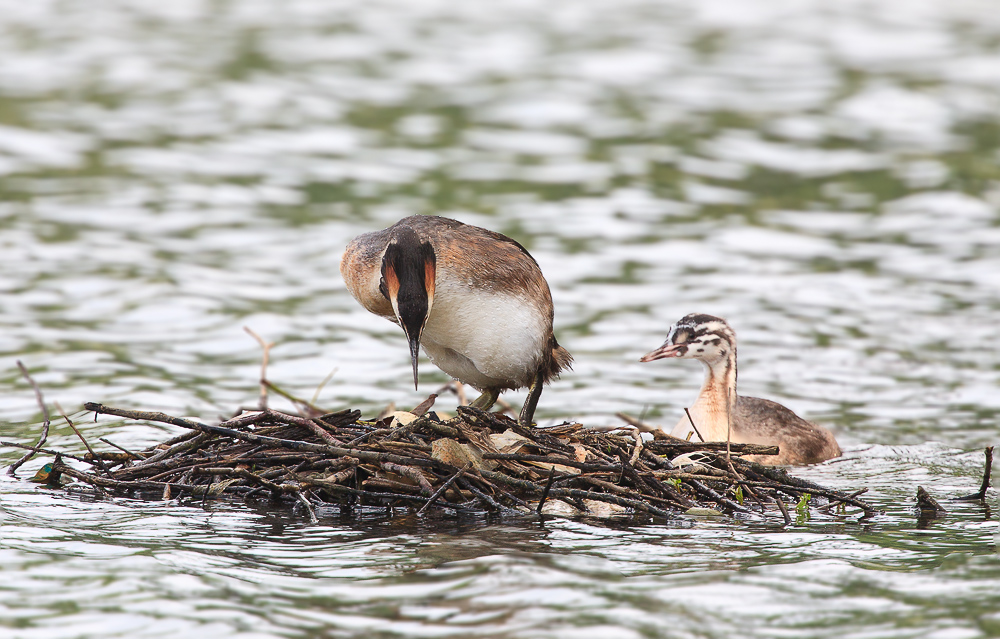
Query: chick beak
[(665, 351)]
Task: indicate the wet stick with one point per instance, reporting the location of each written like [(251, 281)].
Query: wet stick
[(93, 455), (782, 508), (987, 471), (443, 489), (928, 504), (45, 425), (545, 491)]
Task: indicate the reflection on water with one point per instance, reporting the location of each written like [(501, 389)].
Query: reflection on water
[(826, 177)]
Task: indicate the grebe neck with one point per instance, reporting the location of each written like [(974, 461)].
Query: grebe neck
[(713, 409)]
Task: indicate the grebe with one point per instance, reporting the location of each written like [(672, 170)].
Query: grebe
[(474, 299), (754, 420)]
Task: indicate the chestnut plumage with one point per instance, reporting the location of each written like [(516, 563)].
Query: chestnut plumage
[(473, 299)]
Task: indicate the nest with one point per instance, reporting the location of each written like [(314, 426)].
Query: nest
[(475, 462)]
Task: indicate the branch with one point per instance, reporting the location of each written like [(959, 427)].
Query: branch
[(45, 426)]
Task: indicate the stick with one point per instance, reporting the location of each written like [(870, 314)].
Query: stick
[(45, 425), (781, 507), (491, 503), (987, 471), (638, 423), (584, 466), (263, 365), (309, 509), (104, 482), (47, 451), (124, 450), (729, 429), (292, 444), (444, 488), (412, 473), (637, 450), (837, 502), (674, 446), (93, 455), (311, 424), (928, 504), (545, 492), (577, 494), (326, 380), (691, 419), (310, 407)]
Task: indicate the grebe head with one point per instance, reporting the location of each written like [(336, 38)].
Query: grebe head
[(409, 267), (696, 336)]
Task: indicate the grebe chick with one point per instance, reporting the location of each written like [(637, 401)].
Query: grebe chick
[(754, 420), (474, 299)]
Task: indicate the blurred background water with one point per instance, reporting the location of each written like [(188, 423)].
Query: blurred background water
[(824, 175)]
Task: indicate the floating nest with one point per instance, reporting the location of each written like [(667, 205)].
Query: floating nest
[(474, 462)]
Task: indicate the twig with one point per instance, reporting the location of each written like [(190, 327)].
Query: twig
[(781, 507), (97, 460), (691, 419), (45, 425), (246, 419), (124, 450), (928, 504), (729, 429), (505, 406), (310, 424), (443, 489), (266, 346), (311, 408), (309, 509), (47, 451), (637, 422), (412, 473), (326, 380), (292, 444), (987, 471), (491, 503), (675, 446), (838, 502), (584, 466), (545, 492), (637, 450)]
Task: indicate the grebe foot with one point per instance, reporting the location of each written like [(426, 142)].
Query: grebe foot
[(486, 400), (528, 410)]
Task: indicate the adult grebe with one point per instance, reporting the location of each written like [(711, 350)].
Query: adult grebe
[(474, 299), (753, 420)]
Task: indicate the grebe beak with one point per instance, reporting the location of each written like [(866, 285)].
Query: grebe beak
[(667, 350), (409, 268)]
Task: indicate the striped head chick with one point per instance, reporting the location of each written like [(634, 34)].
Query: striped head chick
[(698, 336), (711, 340)]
